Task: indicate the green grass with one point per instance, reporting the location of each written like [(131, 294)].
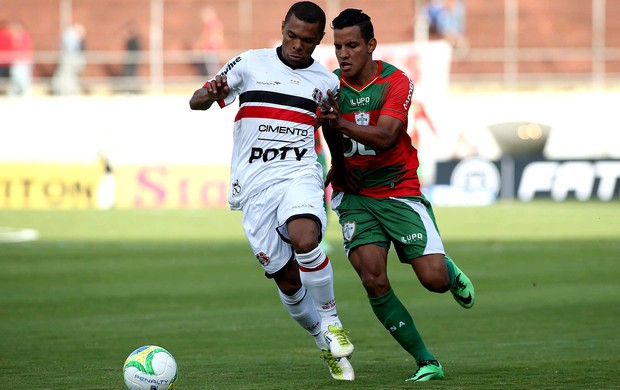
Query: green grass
[(98, 284)]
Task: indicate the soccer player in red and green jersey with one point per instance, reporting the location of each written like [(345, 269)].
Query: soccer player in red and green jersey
[(376, 188)]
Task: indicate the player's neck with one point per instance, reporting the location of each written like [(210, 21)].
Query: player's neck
[(366, 75)]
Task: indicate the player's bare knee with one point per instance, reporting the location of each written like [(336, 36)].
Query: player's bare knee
[(305, 244), (375, 286)]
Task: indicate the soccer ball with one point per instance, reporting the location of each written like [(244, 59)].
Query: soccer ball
[(150, 368)]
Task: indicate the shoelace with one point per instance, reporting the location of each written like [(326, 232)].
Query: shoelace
[(341, 336), (331, 362), (457, 282)]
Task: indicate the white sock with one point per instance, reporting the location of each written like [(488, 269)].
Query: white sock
[(301, 307), (317, 276)]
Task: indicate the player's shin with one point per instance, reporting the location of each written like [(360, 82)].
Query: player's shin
[(302, 308), (317, 276)]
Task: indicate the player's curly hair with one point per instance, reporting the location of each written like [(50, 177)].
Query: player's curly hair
[(308, 12), (355, 17)]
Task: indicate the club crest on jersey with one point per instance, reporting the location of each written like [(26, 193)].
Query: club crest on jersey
[(348, 230), (262, 258), (362, 118), (317, 96)]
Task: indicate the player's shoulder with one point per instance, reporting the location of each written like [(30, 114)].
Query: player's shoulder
[(319, 70), (389, 70)]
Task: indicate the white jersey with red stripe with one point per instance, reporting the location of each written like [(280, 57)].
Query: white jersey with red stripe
[(273, 138)]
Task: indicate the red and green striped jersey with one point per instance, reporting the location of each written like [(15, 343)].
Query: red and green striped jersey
[(387, 172)]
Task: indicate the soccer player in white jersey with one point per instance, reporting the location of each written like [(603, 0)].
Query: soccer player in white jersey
[(276, 180)]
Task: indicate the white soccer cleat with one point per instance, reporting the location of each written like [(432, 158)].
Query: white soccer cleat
[(339, 343), (339, 368)]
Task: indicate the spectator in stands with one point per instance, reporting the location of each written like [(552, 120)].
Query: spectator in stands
[(133, 45), (66, 80), (21, 60), (431, 10), (210, 41), (450, 21), (5, 48)]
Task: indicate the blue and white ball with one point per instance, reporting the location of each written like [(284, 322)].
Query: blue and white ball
[(150, 368)]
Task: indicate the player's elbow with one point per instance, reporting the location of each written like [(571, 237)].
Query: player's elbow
[(196, 104), (385, 141)]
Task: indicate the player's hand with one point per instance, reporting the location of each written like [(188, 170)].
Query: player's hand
[(340, 175), (212, 91), (330, 110), (217, 89)]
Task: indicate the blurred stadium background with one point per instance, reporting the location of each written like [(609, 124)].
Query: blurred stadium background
[(524, 108), (116, 191)]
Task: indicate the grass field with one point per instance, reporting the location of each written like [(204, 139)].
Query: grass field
[(98, 284)]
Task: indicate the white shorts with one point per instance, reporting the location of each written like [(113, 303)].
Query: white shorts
[(265, 216)]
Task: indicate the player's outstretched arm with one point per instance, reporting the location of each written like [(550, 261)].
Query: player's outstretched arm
[(212, 91)]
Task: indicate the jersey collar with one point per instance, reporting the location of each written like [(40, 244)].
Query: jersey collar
[(369, 82), (285, 62)]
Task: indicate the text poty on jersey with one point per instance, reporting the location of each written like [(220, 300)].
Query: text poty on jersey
[(276, 153)]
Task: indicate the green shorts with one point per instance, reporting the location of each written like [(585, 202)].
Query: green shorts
[(407, 222)]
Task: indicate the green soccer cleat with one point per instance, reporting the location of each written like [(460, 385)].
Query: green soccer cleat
[(462, 289), (339, 368), (428, 370), (339, 343)]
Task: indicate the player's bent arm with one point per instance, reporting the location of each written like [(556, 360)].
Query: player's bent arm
[(338, 173), (200, 100), (213, 90), (334, 141), (381, 136)]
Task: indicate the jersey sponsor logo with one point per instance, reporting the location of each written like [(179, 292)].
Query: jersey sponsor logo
[(360, 101), (263, 258), (348, 230), (283, 130), (230, 65), (271, 154), (268, 83)]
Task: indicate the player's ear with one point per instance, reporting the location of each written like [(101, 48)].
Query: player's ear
[(283, 24), (372, 45)]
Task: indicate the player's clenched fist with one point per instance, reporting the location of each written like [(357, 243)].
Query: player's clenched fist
[(211, 91)]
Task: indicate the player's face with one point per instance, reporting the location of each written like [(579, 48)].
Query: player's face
[(299, 39), (354, 54)]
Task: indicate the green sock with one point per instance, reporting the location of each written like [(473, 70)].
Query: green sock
[(451, 271), (397, 320)]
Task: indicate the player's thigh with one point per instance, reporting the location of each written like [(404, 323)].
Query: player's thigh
[(260, 224), (410, 223), (302, 197), (360, 226)]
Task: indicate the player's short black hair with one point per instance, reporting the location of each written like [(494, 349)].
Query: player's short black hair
[(308, 12), (355, 17)]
